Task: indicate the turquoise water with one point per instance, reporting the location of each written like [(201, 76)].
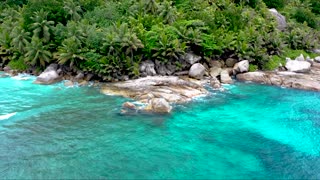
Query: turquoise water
[(249, 131)]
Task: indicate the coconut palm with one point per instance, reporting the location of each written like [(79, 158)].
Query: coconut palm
[(69, 52), (20, 39), (41, 26), (73, 10), (37, 53)]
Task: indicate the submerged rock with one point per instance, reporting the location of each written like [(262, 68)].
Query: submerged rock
[(68, 84), (129, 105), (215, 83), (159, 105)]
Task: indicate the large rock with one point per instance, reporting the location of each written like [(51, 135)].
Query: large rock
[(230, 62), (191, 58), (241, 67), (298, 66), (215, 71), (197, 71), (147, 68), (160, 105), (281, 20), (317, 59), (259, 77), (225, 77), (49, 76), (216, 63)]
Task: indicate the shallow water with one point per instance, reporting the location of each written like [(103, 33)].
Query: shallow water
[(249, 131)]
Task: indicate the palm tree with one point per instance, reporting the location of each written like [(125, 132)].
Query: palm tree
[(37, 53), (73, 10), (168, 12), (151, 6), (74, 30), (41, 26), (69, 52), (20, 39)]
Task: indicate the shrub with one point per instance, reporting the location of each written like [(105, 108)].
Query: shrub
[(273, 63), (18, 65), (315, 6), (253, 68), (301, 37), (305, 15), (278, 4)]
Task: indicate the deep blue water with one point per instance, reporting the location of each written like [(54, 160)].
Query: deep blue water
[(249, 131)]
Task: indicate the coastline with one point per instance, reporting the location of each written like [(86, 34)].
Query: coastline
[(158, 93)]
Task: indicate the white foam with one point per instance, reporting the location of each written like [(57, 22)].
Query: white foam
[(7, 116), (22, 77)]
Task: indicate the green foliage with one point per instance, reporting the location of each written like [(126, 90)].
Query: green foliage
[(277, 4), (253, 68), (53, 8), (69, 52), (295, 53), (41, 26), (273, 63), (104, 16), (73, 10), (315, 6), (110, 38), (305, 15), (37, 53), (18, 65), (301, 37)]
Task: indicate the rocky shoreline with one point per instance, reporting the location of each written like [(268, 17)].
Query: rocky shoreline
[(161, 87)]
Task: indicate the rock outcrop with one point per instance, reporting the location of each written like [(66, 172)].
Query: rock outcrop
[(49, 76), (308, 81), (197, 71), (281, 20), (171, 88)]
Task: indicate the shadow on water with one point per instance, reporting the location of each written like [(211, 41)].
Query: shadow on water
[(280, 160)]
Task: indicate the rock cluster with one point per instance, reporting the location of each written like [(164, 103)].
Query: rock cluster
[(301, 73), (157, 92)]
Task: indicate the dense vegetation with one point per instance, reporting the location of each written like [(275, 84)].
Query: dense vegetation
[(111, 37)]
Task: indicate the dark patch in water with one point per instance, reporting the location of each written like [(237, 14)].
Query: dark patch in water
[(278, 159)]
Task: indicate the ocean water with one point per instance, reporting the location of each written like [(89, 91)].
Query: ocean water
[(248, 131)]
